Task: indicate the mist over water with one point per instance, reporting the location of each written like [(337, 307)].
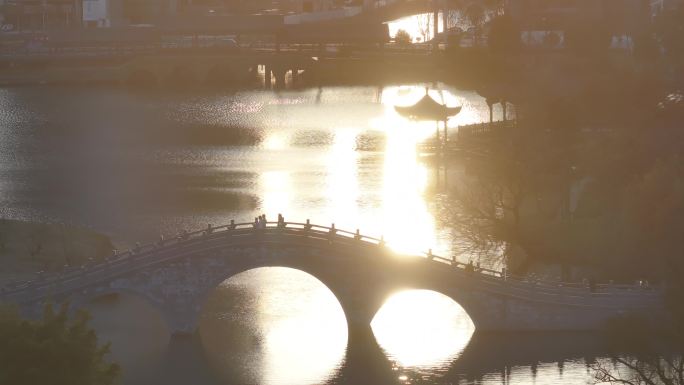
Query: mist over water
[(136, 165)]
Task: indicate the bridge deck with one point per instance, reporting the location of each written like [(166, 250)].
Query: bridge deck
[(213, 239)]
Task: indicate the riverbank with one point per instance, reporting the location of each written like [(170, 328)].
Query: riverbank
[(28, 247), (198, 70)]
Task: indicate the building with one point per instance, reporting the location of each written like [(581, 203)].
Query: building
[(660, 6), (39, 15), (545, 23), (103, 13), (617, 14)]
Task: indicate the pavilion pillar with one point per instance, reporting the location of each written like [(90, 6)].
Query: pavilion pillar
[(279, 74), (490, 104)]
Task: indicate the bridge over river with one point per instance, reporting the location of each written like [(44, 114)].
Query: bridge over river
[(177, 275)]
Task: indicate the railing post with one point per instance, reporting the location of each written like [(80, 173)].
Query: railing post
[(307, 227), (357, 236)]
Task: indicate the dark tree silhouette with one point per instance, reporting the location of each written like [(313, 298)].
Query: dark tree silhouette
[(402, 37), (56, 350)]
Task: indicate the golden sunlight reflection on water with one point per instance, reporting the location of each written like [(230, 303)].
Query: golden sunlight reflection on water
[(338, 154), (299, 332), (416, 328), (422, 329), (396, 208)]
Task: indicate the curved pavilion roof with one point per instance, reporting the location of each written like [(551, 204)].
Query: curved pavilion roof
[(427, 109)]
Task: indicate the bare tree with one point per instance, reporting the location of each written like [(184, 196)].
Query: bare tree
[(640, 371), (505, 209), (425, 23), (487, 213), (659, 360)]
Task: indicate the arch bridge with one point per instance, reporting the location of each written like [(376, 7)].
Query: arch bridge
[(177, 275)]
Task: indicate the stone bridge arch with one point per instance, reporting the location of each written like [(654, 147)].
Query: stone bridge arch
[(359, 278), (180, 288), (178, 275)]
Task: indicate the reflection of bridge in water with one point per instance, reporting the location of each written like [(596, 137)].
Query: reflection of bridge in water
[(177, 275)]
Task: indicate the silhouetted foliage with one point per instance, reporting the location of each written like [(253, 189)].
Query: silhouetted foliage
[(475, 13), (54, 350), (659, 358), (402, 37), (627, 185)]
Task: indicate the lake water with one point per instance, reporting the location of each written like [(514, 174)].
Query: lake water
[(135, 165)]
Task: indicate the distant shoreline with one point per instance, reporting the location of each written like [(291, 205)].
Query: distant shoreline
[(190, 70)]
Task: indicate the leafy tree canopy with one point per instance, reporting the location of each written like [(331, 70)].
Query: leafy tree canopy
[(56, 350)]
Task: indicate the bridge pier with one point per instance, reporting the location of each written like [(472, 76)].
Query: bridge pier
[(295, 75), (182, 320), (253, 73), (361, 296), (365, 362), (185, 362), (279, 74), (267, 77)]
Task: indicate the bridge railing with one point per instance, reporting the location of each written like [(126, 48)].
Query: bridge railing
[(121, 49), (140, 254)]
